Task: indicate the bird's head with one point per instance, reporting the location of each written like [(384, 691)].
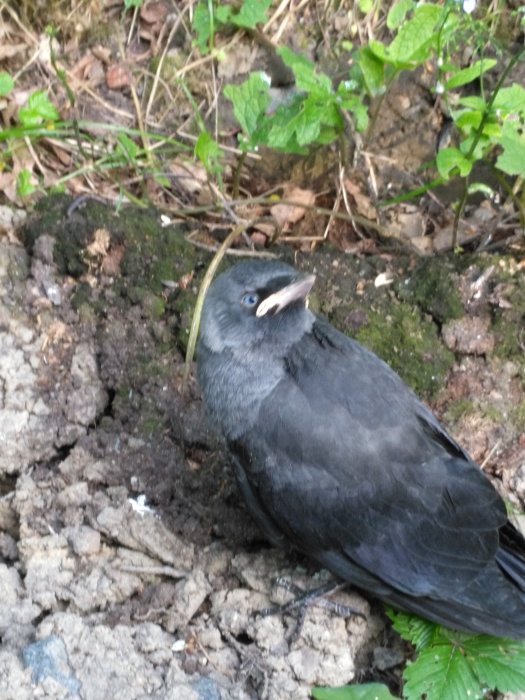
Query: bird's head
[(256, 302)]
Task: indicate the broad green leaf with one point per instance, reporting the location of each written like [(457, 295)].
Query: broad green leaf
[(398, 13), (366, 691), (365, 5), (252, 13), (467, 75), (448, 160), (512, 160), (250, 101), (412, 42), (473, 102), (306, 77), (497, 663), (467, 119), (510, 100), (39, 109), (441, 672), (6, 84), (209, 153), (373, 69)]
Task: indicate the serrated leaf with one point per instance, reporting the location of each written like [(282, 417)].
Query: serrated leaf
[(467, 75), (306, 76), (510, 100), (38, 109), (441, 673), (6, 84), (252, 13), (414, 629), (449, 160), (366, 691), (413, 39), (250, 101), (398, 12), (497, 663)]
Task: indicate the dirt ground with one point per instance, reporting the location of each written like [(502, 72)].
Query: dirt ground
[(130, 568)]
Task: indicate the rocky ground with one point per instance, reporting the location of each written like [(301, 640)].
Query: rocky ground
[(129, 567)]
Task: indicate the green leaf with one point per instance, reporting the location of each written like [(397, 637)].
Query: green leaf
[(467, 75), (473, 102), (128, 4), (414, 629), (39, 109), (365, 5), (348, 100), (209, 153), (414, 39), (252, 13), (449, 160), (441, 672), (6, 84), (128, 147), (467, 120), (24, 186), (250, 101), (306, 77), (510, 100), (497, 663), (512, 160), (398, 13), (366, 691), (373, 69), (202, 24)]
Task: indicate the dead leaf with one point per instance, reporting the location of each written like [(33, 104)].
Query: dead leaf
[(154, 12), (292, 213), (111, 263), (118, 76), (191, 177), (100, 244), (363, 203)]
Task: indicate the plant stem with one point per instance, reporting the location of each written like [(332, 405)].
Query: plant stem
[(479, 132)]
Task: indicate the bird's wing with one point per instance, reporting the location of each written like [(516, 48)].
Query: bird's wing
[(344, 458)]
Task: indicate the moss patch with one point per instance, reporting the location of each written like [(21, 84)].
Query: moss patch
[(410, 345), (432, 286)]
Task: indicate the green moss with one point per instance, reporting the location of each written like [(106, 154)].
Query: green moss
[(410, 345), (432, 286), (457, 409), (517, 415)]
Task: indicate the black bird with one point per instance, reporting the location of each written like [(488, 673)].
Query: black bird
[(336, 455)]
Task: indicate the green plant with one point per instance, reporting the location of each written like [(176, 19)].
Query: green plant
[(449, 666), (317, 113)]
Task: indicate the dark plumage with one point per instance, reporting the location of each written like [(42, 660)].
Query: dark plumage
[(335, 454)]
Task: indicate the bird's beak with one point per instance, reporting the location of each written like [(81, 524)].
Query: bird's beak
[(295, 291)]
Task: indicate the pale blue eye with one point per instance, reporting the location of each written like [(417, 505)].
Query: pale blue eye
[(250, 300)]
